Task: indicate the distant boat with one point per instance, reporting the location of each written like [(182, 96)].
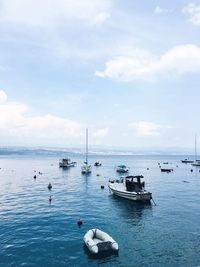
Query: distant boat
[(122, 169), (86, 168), (66, 163), (196, 162), (166, 170), (130, 187), (97, 163), (98, 241), (187, 161)]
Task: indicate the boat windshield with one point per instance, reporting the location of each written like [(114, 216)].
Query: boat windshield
[(66, 160), (133, 183)]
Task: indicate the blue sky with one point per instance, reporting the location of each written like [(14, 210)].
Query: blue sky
[(127, 70)]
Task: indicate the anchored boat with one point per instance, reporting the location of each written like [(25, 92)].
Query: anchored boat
[(86, 168), (187, 161), (97, 241), (130, 187), (97, 164), (67, 163), (122, 169), (166, 169)]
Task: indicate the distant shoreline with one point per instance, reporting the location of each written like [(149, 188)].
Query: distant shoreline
[(23, 151)]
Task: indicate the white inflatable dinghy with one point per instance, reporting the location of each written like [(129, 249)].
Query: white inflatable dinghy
[(97, 240)]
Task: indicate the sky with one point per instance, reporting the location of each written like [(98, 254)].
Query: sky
[(128, 70)]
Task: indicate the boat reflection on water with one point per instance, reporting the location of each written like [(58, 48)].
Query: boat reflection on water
[(103, 256), (132, 211)]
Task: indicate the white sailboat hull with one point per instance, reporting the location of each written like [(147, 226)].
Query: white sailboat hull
[(86, 169), (197, 164)]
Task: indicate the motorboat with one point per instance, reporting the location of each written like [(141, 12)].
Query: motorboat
[(66, 163), (122, 169), (166, 169), (86, 168), (98, 241), (187, 161), (130, 187), (97, 164)]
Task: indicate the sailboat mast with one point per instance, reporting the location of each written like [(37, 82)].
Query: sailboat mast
[(86, 156), (195, 147)]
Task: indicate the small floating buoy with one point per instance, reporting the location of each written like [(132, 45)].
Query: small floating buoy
[(34, 176), (102, 186), (79, 222), (49, 186), (147, 168), (50, 199), (191, 170)]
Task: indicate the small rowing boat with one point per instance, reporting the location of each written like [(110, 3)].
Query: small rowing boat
[(97, 241)]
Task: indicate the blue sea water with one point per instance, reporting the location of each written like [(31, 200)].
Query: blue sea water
[(34, 232)]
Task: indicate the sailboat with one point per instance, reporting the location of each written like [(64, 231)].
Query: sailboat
[(196, 162), (86, 168)]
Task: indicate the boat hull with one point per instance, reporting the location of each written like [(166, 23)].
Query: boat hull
[(196, 164), (166, 170), (187, 161), (122, 171), (63, 165), (135, 196), (86, 169)]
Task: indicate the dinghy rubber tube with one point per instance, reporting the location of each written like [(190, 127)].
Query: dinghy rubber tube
[(102, 237)]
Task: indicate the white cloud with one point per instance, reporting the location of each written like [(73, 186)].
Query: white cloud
[(139, 64), (101, 17), (101, 133), (158, 10), (193, 12), (3, 96), (46, 12), (146, 128), (15, 122)]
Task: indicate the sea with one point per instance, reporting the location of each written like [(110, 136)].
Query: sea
[(36, 232)]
